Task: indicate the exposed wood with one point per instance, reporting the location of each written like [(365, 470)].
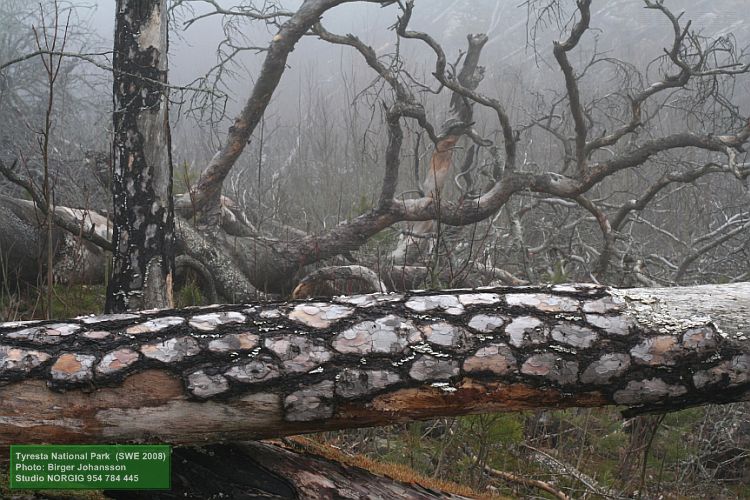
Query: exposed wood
[(338, 280), (265, 370), (22, 243), (415, 242), (524, 481)]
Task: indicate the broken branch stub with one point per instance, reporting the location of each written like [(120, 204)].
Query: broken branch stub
[(272, 369)]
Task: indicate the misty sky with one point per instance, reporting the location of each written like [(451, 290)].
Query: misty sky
[(194, 52), (644, 33)]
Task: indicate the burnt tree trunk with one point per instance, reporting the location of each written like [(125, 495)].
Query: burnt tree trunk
[(244, 471), (238, 372), (143, 218)]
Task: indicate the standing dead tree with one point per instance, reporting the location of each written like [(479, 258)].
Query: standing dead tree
[(143, 216)]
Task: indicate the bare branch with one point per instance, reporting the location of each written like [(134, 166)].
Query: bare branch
[(74, 227), (560, 51)]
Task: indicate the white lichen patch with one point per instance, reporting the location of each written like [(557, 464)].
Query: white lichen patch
[(16, 324), (609, 304), (116, 360), (270, 314), (72, 367), (544, 302), (427, 367), (352, 383), (471, 299), (204, 385), (495, 358), (388, 335), (446, 303), (155, 325), (444, 387), (526, 330), (298, 354), (651, 314), (552, 367), (647, 391), (425, 348), (368, 300), (257, 370), (733, 372), (486, 323), (210, 321), (403, 360), (96, 335), (101, 318), (613, 325), (234, 342), (606, 368), (310, 403), (171, 350), (14, 359), (443, 334), (48, 334), (573, 335), (319, 314), (660, 350), (584, 288)]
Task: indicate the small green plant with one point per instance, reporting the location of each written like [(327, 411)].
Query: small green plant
[(184, 178), (190, 294), (558, 274)]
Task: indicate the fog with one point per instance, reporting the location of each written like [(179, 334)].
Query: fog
[(317, 158)]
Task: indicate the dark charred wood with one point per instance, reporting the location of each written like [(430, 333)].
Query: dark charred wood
[(263, 471), (143, 216)]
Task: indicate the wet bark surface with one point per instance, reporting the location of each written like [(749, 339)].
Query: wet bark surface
[(265, 370)]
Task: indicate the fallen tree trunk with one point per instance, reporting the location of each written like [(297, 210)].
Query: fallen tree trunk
[(240, 372), (264, 470)]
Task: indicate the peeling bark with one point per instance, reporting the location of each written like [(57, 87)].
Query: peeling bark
[(418, 238), (273, 369)]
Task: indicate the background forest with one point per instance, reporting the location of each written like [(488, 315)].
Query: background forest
[(316, 159)]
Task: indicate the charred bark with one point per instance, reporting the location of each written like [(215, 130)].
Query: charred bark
[(273, 369), (143, 217), (265, 470)]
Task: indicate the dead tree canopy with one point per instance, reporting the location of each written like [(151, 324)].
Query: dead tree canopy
[(599, 136), (261, 370)]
